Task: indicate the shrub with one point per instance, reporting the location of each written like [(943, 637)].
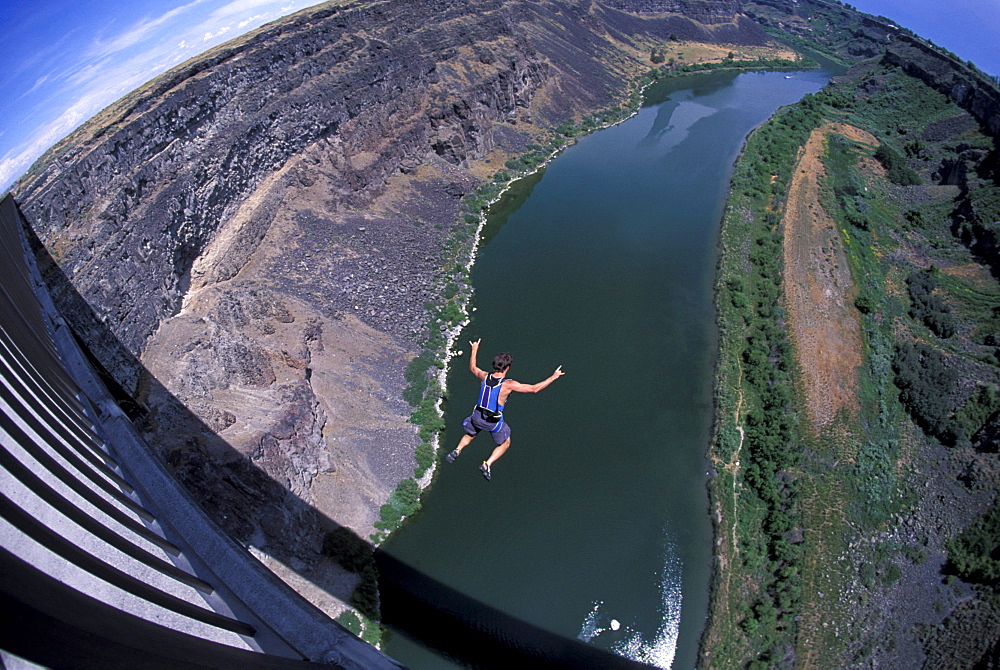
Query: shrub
[(416, 375), (864, 304), (927, 306), (892, 574), (451, 313), (924, 379), (404, 501), (365, 596), (425, 458), (427, 417), (406, 497), (975, 554), (916, 554), (351, 622), (981, 405), (894, 163)]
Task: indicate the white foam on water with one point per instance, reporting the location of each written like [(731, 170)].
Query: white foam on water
[(590, 628), (658, 651)]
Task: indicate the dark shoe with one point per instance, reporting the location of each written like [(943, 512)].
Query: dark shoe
[(452, 456), (485, 469)]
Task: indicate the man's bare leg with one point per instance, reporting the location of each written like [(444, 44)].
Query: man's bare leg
[(462, 444), (498, 452)]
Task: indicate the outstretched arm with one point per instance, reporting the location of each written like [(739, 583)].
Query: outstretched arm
[(535, 388), (473, 368)]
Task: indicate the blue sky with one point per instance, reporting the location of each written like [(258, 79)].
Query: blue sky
[(65, 60)]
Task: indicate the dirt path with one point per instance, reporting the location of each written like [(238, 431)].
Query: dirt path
[(727, 552), (734, 463), (825, 328), (824, 323)]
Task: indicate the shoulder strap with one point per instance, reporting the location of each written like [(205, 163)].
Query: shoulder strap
[(489, 396)]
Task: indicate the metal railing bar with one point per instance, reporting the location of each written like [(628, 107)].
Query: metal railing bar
[(73, 412), (113, 487), (62, 547), (41, 488), (97, 529), (93, 635), (66, 477)]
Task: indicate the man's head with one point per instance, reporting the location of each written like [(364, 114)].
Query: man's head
[(502, 361)]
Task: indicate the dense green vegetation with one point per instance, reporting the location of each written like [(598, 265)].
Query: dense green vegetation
[(924, 377), (975, 554), (895, 164), (927, 306)]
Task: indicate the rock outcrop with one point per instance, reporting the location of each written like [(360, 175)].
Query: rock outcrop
[(970, 90), (708, 12), (248, 242)]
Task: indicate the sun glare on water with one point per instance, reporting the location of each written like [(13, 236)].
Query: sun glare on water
[(659, 650)]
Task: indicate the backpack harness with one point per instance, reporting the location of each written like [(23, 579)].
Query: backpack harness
[(489, 400)]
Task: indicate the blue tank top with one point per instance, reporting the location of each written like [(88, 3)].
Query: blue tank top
[(489, 397)]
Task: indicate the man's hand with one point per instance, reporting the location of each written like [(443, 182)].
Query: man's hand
[(473, 367), (558, 373)]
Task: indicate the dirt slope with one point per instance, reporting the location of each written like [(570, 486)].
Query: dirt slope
[(825, 325)]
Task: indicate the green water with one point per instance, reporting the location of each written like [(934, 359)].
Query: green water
[(597, 517)]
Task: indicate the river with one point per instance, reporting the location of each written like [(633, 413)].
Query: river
[(593, 541)]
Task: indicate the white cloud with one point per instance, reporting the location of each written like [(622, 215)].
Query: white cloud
[(210, 36), (256, 19), (38, 84), (240, 7), (20, 158), (138, 32)]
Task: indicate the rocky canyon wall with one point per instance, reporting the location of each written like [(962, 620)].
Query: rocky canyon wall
[(703, 11)]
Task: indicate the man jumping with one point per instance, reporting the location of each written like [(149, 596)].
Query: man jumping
[(488, 413)]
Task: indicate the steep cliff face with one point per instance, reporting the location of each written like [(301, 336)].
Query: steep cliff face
[(970, 90), (703, 11), (248, 242), (152, 186)]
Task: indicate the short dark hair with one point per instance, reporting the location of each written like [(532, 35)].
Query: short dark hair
[(502, 361)]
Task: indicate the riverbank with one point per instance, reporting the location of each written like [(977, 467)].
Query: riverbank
[(753, 439)]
